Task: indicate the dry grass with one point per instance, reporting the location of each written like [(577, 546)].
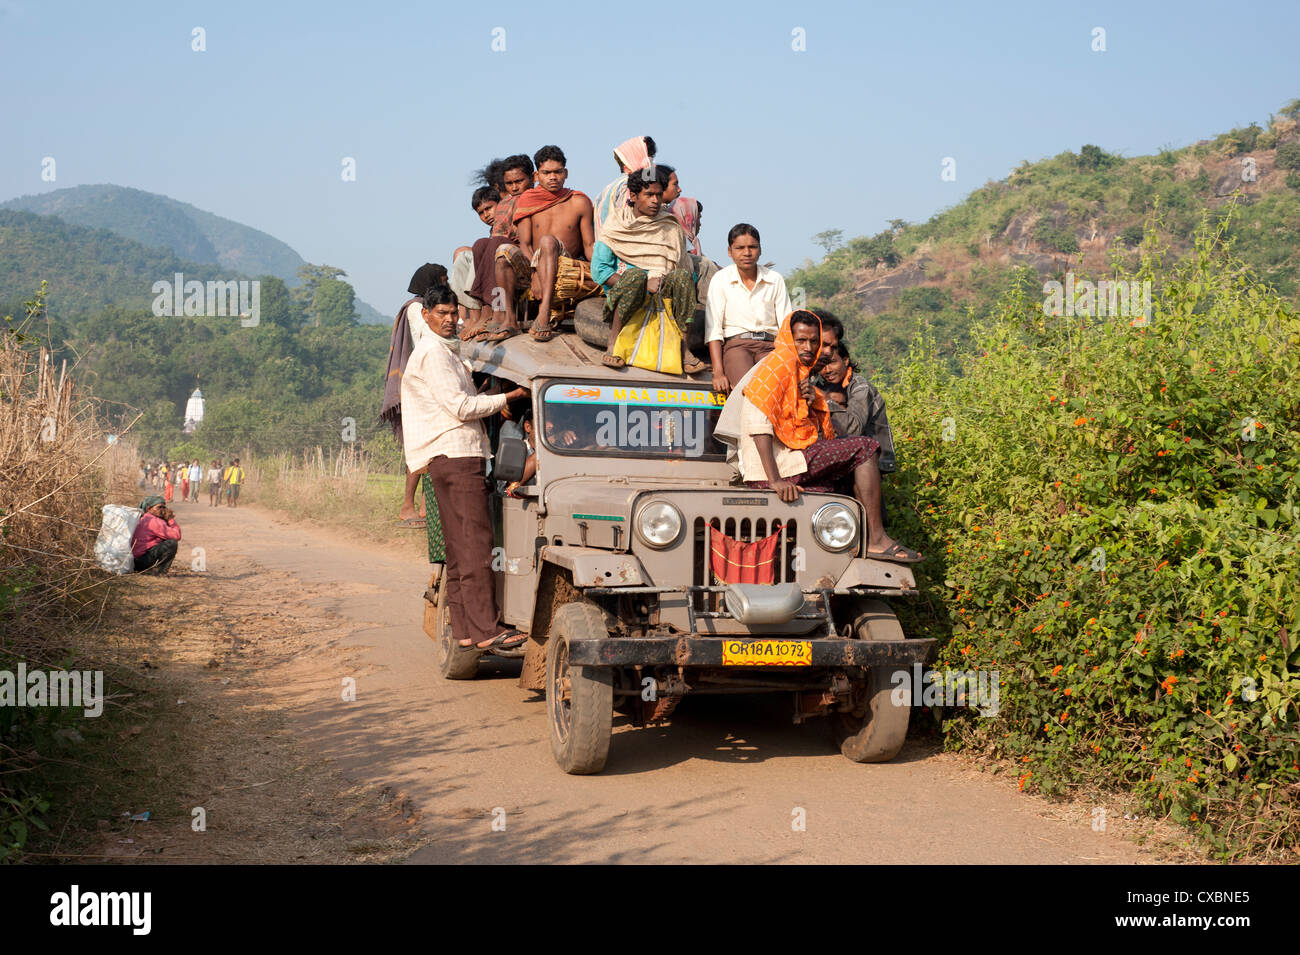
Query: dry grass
[(334, 489)]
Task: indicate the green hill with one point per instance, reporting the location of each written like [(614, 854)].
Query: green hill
[(190, 233), (87, 268), (1082, 212)]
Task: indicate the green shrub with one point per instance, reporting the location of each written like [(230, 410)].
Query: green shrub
[(1055, 238), (1105, 534), (1132, 236), (1288, 156)]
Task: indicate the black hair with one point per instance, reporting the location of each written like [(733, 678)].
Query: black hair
[(493, 174), (667, 168), (650, 147), (842, 350), (804, 316), (830, 321), (549, 154), (739, 229), (439, 295), (484, 194), (636, 181), (517, 161), (430, 273)]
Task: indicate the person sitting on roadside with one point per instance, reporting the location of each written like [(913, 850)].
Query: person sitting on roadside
[(786, 441), (642, 253), (856, 405), (745, 305), (443, 432), (555, 237), (156, 537)]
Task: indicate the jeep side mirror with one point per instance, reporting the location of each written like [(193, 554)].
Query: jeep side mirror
[(512, 454)]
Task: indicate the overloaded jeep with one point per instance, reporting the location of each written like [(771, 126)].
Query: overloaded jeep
[(605, 561)]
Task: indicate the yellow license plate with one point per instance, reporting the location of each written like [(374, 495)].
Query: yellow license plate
[(767, 653)]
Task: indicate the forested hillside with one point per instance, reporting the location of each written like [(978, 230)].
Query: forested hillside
[(1081, 212), (160, 222), (283, 384)]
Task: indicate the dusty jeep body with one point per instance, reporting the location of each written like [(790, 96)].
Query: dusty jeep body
[(605, 562)]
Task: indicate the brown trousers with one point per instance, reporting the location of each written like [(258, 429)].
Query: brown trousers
[(460, 485), (741, 354)]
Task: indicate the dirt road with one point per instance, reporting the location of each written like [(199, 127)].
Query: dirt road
[(725, 782)]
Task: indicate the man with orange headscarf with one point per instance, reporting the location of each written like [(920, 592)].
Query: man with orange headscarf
[(786, 441)]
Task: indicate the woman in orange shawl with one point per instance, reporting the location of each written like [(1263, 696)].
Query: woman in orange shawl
[(781, 388)]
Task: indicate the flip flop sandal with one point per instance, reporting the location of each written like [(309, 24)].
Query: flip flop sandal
[(506, 640), (413, 522), (612, 361), (896, 553), (543, 334), (499, 333), (693, 365)]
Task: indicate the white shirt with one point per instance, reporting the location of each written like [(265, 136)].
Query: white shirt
[(440, 408), (196, 474), (736, 426), (214, 475), (731, 308), (416, 323)]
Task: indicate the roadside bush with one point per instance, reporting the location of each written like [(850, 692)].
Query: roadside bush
[(1112, 527)]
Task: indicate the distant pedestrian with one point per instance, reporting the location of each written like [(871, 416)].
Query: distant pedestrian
[(167, 487), (234, 478), (196, 478), (214, 484)]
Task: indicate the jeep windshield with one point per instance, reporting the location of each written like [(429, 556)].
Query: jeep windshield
[(632, 420)]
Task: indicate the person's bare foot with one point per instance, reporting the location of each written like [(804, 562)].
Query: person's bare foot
[(408, 513)]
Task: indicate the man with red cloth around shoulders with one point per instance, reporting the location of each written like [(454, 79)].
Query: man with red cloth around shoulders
[(554, 223)]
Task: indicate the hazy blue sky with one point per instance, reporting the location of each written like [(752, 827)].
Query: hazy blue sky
[(847, 133)]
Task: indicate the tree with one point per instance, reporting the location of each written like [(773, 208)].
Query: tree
[(313, 276), (829, 240), (334, 304), (1094, 157), (897, 225)]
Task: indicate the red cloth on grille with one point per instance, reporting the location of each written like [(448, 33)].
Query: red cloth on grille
[(739, 562)]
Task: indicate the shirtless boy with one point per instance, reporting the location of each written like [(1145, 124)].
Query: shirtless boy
[(552, 221)]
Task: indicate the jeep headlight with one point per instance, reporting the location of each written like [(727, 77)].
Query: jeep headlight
[(835, 527), (659, 524)]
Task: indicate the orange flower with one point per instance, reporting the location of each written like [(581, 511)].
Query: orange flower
[(1039, 627), (1057, 669), (1068, 691), (1081, 420), (1162, 565)]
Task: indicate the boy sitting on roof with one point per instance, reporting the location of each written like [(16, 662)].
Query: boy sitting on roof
[(508, 178), (555, 230)]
